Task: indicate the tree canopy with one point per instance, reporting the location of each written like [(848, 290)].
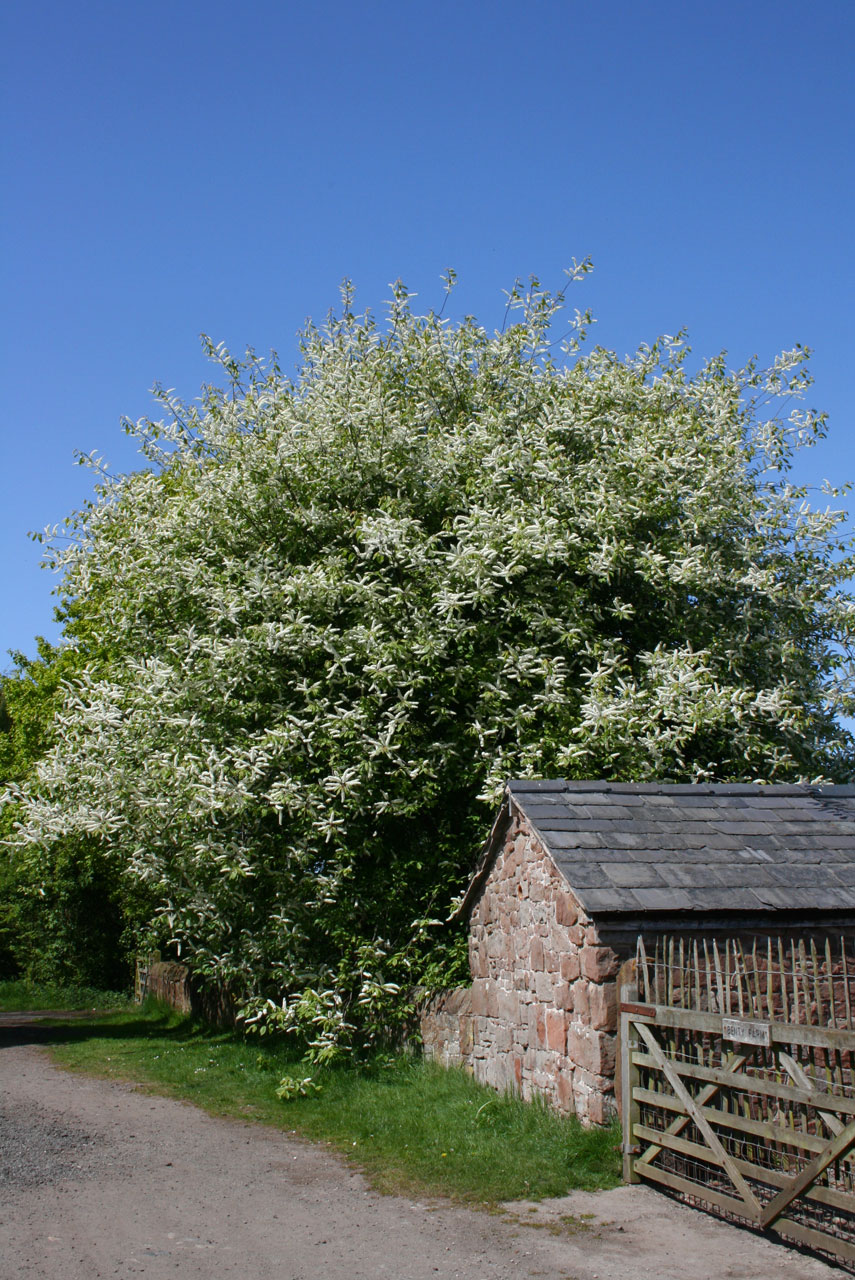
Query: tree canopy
[(333, 613), (71, 918)]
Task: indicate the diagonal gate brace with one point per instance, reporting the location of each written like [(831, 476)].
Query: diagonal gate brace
[(752, 1204), (734, 1063), (838, 1147)]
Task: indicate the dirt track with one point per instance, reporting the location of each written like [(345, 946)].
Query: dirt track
[(98, 1179)]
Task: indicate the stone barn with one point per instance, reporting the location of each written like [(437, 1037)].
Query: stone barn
[(574, 872)]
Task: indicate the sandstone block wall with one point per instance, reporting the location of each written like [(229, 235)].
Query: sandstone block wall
[(446, 1027), (169, 982), (172, 983), (541, 1014)]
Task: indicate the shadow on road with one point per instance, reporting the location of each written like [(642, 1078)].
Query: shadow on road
[(55, 1026)]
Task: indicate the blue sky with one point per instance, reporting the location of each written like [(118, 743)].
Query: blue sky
[(174, 168)]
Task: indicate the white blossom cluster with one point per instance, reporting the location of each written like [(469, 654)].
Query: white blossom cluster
[(334, 614)]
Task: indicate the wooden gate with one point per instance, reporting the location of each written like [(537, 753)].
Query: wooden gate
[(737, 1082)]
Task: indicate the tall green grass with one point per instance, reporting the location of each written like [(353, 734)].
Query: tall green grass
[(409, 1124), (17, 995)]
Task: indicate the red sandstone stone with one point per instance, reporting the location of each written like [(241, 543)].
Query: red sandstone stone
[(601, 1108), (602, 999), (570, 966), (497, 944), (536, 953), (563, 996), (508, 1006), (565, 909), (565, 1091), (556, 1030), (556, 941), (581, 1003), (599, 963), (480, 1000), (544, 987), (592, 1050), (608, 1054), (457, 1001), (502, 1039)]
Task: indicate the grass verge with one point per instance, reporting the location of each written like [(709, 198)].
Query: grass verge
[(17, 995), (410, 1125)]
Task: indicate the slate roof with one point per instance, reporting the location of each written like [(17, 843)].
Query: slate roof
[(651, 847)]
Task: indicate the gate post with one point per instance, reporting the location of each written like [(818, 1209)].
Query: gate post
[(628, 1073)]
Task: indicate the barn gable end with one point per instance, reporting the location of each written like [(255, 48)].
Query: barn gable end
[(540, 1017), (544, 1012)]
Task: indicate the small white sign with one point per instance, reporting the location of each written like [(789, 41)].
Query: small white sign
[(746, 1032)]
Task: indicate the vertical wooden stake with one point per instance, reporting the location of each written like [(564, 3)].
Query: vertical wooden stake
[(711, 999), (817, 985), (630, 1079), (642, 960), (805, 975), (782, 978), (738, 966), (723, 1007), (669, 972)]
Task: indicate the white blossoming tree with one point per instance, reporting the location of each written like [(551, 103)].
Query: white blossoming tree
[(334, 614)]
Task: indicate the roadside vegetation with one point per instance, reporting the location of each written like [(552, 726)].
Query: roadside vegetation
[(410, 1125), (18, 994)]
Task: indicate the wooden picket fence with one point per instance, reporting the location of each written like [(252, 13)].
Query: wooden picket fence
[(738, 1082)]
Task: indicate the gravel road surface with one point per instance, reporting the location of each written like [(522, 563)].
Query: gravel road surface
[(99, 1179)]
